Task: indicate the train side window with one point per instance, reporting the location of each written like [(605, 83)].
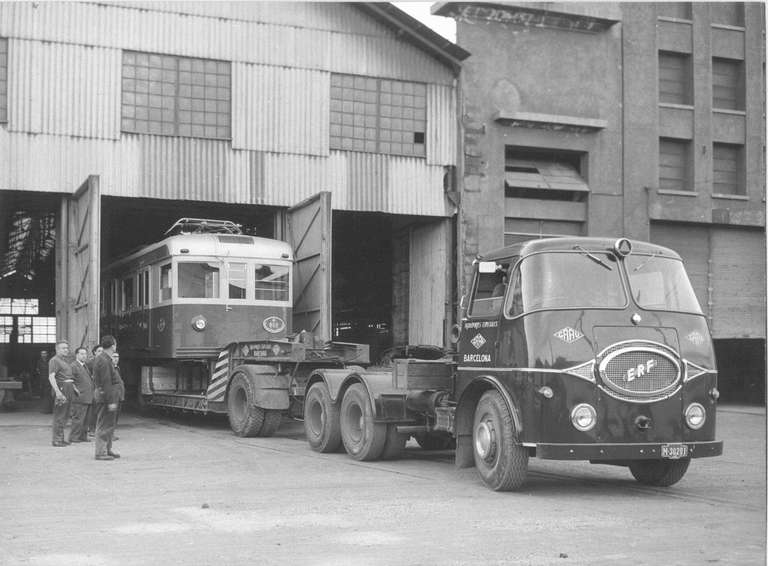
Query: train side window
[(198, 280), (237, 280), (143, 289), (128, 296), (165, 282)]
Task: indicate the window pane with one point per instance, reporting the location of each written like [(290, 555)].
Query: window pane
[(674, 165), (272, 283), (165, 282), (198, 281), (728, 169), (379, 112), (237, 280), (675, 78), (727, 84)]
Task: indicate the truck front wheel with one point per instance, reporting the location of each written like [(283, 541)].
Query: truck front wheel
[(659, 473), (321, 419), (362, 437), (501, 460), (245, 418)]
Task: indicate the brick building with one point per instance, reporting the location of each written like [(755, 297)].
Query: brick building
[(639, 119)]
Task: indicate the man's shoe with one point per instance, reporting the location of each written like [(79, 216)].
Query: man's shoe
[(114, 454), (104, 457), (58, 444)]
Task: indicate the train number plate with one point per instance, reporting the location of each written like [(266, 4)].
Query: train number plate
[(674, 451)]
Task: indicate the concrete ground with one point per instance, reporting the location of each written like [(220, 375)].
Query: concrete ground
[(187, 491)]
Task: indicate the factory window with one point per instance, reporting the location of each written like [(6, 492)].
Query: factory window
[(727, 84), (176, 96), (676, 10), (728, 169), (727, 13), (543, 174), (674, 165), (378, 115), (675, 85), (3, 79)]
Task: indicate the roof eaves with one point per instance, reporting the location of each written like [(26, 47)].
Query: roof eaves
[(421, 35)]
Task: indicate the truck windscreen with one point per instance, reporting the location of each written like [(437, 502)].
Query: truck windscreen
[(570, 280), (660, 283)]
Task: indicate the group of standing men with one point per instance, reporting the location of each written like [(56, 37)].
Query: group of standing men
[(87, 390)]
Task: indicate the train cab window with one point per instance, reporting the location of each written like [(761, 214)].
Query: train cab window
[(127, 291), (165, 282), (272, 282), (489, 290), (237, 280), (198, 280)]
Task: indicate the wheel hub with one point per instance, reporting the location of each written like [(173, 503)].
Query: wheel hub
[(485, 440)]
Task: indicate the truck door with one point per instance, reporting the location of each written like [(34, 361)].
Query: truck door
[(308, 231), (478, 343), (78, 266)]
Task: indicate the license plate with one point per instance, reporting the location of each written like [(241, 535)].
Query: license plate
[(674, 451)]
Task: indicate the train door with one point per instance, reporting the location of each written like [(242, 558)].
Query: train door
[(78, 266), (308, 231)]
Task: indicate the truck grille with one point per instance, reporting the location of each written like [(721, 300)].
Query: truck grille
[(639, 371)]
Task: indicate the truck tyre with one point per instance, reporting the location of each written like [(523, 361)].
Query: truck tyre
[(245, 418), (363, 438), (501, 460), (321, 419), (660, 473), (272, 420), (394, 444), (432, 441)]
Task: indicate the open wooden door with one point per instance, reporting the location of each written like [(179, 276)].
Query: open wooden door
[(308, 231), (78, 266)]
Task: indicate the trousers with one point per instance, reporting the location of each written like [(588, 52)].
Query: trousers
[(105, 428), (60, 416), (79, 412)]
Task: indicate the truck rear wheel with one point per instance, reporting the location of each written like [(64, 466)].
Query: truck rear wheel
[(501, 460), (321, 419), (245, 418), (660, 473), (362, 437)]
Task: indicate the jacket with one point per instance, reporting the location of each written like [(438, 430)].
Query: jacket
[(105, 380), (83, 382)]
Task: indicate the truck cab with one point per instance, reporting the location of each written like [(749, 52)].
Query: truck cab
[(584, 349)]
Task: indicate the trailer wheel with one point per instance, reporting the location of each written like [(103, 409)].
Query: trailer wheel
[(363, 438), (660, 473), (432, 441), (321, 419), (245, 418), (394, 444), (500, 459)]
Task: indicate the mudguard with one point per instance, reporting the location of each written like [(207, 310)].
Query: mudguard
[(338, 380), (270, 389)]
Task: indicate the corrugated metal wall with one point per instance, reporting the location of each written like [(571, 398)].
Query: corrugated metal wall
[(64, 89), (280, 109), (212, 37), (145, 166), (442, 132)]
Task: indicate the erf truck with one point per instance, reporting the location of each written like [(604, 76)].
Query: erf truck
[(567, 349)]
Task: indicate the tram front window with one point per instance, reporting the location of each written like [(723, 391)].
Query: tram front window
[(272, 282), (198, 280)]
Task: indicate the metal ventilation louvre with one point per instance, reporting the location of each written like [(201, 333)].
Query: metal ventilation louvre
[(235, 239), (640, 371)]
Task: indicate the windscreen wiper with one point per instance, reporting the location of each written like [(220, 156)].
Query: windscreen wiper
[(646, 262), (593, 257)]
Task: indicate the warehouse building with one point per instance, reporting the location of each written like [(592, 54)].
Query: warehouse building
[(116, 119), (638, 119)]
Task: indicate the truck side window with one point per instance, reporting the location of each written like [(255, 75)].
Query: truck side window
[(516, 295), (489, 292)]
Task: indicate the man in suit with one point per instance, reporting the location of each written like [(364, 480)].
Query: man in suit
[(121, 388), (106, 398), (95, 351), (82, 402)]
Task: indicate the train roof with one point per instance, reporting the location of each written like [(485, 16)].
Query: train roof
[(572, 243), (218, 245)]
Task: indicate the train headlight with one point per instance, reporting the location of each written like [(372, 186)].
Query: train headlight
[(695, 416), (199, 323), (584, 417)]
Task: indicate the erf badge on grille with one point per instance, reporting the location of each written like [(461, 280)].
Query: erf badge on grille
[(640, 370)]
